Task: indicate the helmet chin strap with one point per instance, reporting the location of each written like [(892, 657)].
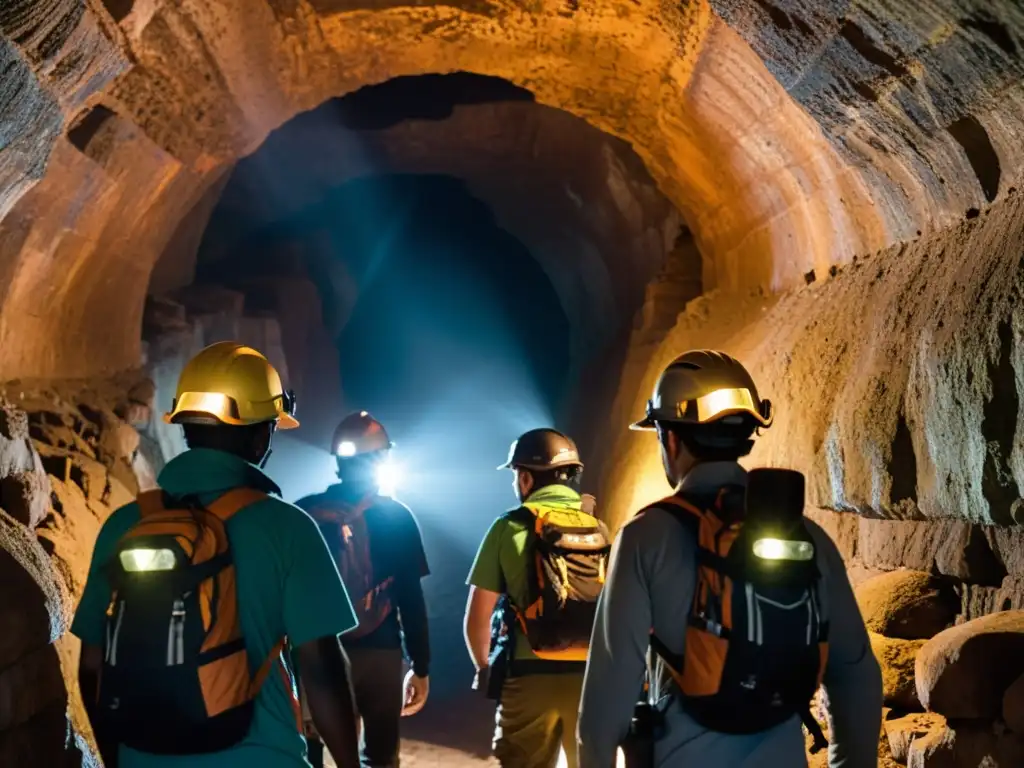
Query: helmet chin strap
[(266, 458)]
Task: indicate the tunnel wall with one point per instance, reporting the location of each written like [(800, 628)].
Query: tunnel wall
[(174, 91), (897, 378)]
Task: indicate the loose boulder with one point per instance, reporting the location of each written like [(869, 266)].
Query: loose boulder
[(963, 671), (966, 745), (911, 605), (897, 658)]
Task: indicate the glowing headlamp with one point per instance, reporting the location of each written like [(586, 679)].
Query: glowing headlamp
[(146, 560), (782, 549), (346, 448)]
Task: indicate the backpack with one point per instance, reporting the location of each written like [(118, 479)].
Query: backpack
[(569, 554), (176, 678), (757, 637), (348, 535)]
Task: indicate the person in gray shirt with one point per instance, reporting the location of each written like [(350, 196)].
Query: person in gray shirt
[(706, 412)]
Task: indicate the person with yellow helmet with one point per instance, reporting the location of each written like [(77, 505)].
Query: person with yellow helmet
[(205, 597), (724, 607), (378, 547)]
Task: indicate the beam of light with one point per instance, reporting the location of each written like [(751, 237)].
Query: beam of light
[(388, 475), (347, 448)]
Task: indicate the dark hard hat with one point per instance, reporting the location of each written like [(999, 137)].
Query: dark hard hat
[(359, 433), (542, 449), (704, 386)]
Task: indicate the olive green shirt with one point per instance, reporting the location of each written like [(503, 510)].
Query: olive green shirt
[(502, 560)]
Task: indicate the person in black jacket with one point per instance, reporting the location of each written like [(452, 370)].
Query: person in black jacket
[(379, 551)]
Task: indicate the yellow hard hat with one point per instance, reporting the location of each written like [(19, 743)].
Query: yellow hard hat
[(229, 383)]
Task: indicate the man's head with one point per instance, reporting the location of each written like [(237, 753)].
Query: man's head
[(705, 407), (543, 457), (360, 446), (230, 399)]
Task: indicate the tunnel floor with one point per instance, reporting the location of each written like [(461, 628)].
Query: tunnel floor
[(450, 732)]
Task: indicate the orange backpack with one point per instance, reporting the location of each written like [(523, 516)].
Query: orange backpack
[(176, 676), (756, 640), (348, 536)]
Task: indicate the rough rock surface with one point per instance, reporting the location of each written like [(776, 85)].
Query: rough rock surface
[(896, 658), (903, 731), (907, 604), (87, 454), (897, 382), (918, 111), (966, 745), (962, 673)]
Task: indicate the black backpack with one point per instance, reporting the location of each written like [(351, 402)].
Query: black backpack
[(176, 678), (757, 636), (568, 557)]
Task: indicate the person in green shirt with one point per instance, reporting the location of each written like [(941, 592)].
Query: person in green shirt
[(229, 402), (538, 699)]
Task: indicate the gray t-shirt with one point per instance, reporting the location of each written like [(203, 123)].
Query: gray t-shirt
[(650, 585)]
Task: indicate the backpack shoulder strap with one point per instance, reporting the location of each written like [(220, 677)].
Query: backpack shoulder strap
[(235, 500), (151, 502)]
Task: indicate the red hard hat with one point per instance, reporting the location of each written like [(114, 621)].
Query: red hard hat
[(359, 433)]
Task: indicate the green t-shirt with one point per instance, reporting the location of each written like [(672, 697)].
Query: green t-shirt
[(501, 562), (287, 584)]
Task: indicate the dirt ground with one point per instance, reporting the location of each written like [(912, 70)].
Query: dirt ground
[(450, 732)]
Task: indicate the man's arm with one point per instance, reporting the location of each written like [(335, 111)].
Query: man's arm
[(853, 679), (486, 584), (618, 656), (327, 682), (316, 611), (89, 665), (477, 625), (412, 611)]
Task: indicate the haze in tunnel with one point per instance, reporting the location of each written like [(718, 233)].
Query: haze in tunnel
[(458, 343)]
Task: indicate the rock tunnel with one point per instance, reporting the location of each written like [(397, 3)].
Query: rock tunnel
[(827, 190)]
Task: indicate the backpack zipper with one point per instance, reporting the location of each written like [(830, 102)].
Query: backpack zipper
[(176, 635), (112, 650)]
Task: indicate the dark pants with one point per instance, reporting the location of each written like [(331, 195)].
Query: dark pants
[(377, 675), (536, 720)]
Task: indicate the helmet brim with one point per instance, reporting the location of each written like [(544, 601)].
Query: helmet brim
[(644, 425)]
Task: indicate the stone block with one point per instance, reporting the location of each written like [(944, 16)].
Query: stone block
[(950, 547), (963, 671), (911, 605), (841, 527)]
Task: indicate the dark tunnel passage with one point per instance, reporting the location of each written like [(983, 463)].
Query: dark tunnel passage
[(457, 341), (473, 263)]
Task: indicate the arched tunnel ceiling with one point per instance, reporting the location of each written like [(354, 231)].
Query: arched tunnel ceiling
[(886, 110), (579, 200)]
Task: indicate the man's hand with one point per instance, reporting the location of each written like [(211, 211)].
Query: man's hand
[(416, 691), (482, 679)]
